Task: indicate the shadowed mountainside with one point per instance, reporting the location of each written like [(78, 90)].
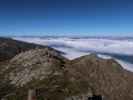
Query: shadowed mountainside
[(9, 47)]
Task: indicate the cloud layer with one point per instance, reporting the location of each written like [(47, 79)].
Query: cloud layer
[(76, 47)]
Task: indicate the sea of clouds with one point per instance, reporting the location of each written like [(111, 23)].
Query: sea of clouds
[(106, 48)]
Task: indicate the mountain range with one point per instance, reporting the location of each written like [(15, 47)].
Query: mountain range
[(44, 70)]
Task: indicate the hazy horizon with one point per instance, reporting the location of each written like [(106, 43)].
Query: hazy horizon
[(63, 35)]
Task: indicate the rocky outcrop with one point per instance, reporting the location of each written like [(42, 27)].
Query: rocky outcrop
[(8, 49), (53, 77), (34, 65), (105, 77), (39, 69)]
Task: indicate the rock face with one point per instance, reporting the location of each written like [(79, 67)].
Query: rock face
[(34, 65), (39, 69), (54, 77), (105, 77)]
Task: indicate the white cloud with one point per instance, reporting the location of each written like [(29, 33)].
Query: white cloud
[(125, 65), (99, 45), (81, 46)]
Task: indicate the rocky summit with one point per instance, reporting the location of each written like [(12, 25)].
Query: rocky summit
[(51, 76)]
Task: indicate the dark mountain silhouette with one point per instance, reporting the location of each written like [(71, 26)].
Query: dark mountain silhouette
[(9, 47), (54, 77)]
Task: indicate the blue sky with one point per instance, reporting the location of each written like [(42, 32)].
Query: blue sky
[(66, 17)]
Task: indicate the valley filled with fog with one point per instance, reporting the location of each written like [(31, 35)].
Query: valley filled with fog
[(120, 49)]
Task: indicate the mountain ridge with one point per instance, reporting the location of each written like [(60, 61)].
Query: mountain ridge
[(55, 77)]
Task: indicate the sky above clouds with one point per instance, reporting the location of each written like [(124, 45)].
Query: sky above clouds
[(66, 17)]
